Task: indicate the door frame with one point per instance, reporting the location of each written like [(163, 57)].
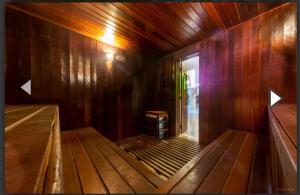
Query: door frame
[(178, 96)]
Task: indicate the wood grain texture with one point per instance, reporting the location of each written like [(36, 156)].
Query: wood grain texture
[(119, 172), (70, 70), (200, 171), (237, 68), (111, 178), (70, 175), (283, 158), (167, 186), (54, 182), (156, 181), (13, 119), (154, 29), (218, 176), (28, 149), (223, 166), (88, 176), (135, 179), (237, 180)]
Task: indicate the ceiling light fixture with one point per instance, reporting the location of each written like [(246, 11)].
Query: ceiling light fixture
[(108, 37)]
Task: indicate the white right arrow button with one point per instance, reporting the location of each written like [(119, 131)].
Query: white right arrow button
[(274, 98)]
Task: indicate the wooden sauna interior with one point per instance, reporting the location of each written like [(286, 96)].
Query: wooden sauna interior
[(97, 68)]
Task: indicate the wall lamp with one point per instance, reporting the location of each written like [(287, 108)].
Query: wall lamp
[(109, 56)]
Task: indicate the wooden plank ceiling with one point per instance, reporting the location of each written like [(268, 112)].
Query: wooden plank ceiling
[(154, 29)]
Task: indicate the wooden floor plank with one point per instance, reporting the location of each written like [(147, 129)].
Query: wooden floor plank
[(153, 155), (70, 176), (214, 170), (192, 180), (215, 180), (134, 178), (89, 179), (173, 181), (238, 179), (165, 157), (160, 167), (112, 179), (151, 177)]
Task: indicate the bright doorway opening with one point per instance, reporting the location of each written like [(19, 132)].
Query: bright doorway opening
[(189, 93)]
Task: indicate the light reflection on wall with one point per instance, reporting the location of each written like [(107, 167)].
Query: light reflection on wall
[(80, 69), (87, 72), (72, 73), (290, 30), (109, 66)]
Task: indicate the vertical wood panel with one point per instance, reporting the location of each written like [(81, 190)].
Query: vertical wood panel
[(87, 80), (64, 80), (238, 67), (69, 69)]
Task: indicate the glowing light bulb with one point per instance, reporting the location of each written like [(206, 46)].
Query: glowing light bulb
[(109, 56)]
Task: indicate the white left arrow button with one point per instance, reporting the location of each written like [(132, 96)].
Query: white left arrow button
[(27, 87)]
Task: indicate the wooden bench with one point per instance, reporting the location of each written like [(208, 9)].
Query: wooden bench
[(283, 147), (224, 166), (93, 164), (32, 149), (90, 163)]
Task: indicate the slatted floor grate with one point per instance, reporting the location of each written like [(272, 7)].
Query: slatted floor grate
[(163, 157)]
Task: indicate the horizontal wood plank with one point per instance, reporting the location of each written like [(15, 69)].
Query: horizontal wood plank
[(132, 176), (27, 151), (237, 180), (113, 181), (89, 179), (157, 28), (70, 175), (156, 181), (194, 177), (13, 119), (215, 180), (283, 149)]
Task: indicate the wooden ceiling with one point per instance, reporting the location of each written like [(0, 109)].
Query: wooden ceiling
[(154, 29)]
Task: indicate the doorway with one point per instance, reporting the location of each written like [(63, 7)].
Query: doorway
[(189, 97)]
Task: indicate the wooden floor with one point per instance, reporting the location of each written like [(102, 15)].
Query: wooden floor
[(93, 164), (163, 157), (224, 166), (233, 163)]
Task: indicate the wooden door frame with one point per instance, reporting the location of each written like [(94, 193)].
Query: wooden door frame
[(178, 103), (178, 118)]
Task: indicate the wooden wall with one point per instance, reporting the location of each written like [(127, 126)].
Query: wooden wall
[(264, 57), (238, 66), (71, 70)]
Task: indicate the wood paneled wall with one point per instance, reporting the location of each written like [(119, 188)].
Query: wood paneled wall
[(71, 70), (238, 66), (263, 57)]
